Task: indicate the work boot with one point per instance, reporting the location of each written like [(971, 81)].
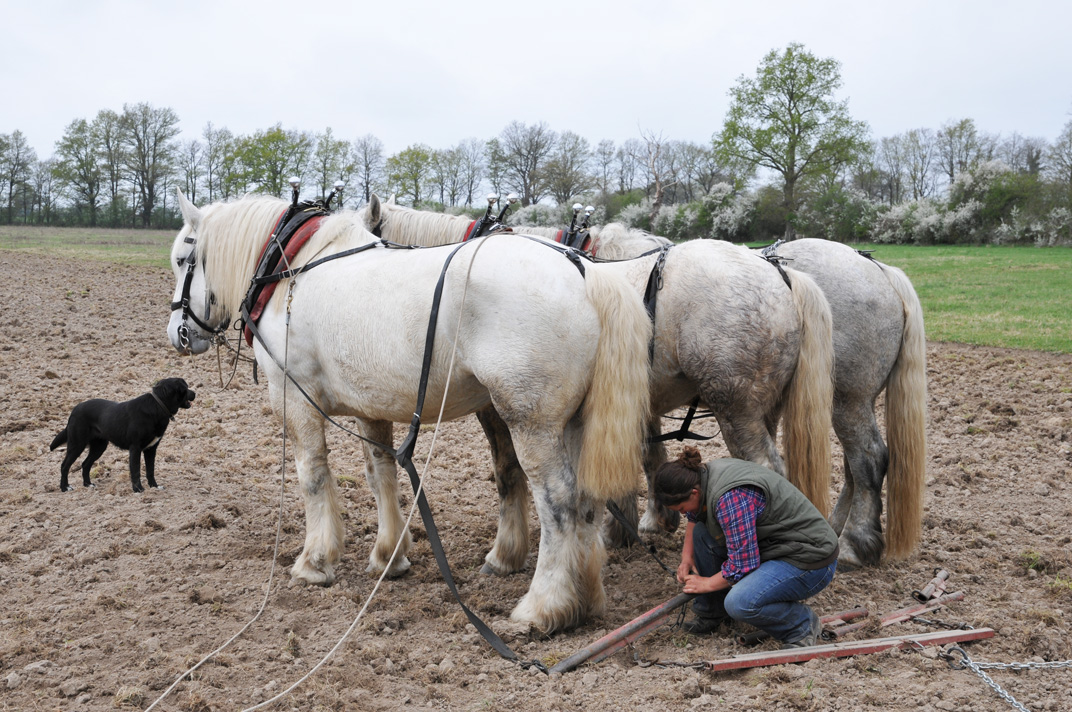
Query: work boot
[(702, 626), (811, 637)]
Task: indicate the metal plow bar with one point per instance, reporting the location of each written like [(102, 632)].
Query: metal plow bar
[(847, 649)]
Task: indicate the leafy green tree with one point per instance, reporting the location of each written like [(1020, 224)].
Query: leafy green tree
[(787, 120), (17, 160), (108, 131), (78, 168), (331, 161), (148, 135), (408, 170), (220, 162), (269, 158)]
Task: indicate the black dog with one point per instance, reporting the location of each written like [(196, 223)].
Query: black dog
[(135, 425)]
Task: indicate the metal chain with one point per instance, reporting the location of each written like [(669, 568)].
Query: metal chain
[(977, 667)]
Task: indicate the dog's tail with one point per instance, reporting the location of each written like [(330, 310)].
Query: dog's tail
[(60, 439)]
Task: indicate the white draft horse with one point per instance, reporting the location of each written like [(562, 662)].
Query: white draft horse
[(561, 357), (879, 345), (728, 328)]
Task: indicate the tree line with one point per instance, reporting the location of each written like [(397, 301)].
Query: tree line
[(789, 160)]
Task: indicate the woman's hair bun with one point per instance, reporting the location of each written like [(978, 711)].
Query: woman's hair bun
[(690, 457)]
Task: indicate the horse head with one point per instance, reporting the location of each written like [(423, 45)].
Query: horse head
[(185, 328)]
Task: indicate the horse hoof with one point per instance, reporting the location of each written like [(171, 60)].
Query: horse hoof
[(305, 574), (489, 570), (400, 567), (847, 559)]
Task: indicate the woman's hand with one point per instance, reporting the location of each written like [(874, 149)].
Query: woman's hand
[(685, 568), (702, 584)]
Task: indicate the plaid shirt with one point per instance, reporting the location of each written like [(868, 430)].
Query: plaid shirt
[(737, 512)]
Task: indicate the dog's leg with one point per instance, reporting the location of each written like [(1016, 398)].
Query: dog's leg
[(65, 467), (150, 464), (96, 449), (135, 469)]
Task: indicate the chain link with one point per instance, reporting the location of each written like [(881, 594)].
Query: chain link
[(966, 663)]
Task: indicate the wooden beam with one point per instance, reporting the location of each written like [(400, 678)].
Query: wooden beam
[(846, 649)]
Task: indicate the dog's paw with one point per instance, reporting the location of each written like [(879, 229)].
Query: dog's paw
[(157, 487), (68, 488), (138, 488)]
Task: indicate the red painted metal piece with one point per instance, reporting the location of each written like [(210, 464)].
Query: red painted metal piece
[(617, 639), (846, 649), (831, 619), (903, 614)]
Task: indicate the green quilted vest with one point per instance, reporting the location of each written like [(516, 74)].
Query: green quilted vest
[(790, 527)]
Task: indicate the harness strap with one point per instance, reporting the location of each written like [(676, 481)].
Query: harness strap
[(570, 253), (631, 528), (683, 432)]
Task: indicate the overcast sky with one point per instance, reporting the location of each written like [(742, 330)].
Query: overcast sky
[(440, 72)]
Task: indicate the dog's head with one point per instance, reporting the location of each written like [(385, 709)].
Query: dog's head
[(174, 392)]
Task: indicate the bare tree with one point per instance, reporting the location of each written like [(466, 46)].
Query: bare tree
[(629, 158), (891, 160), (191, 167), (659, 169), (567, 172), (920, 152), (604, 157), (471, 154), (330, 162), (524, 153), (148, 134), (369, 163)]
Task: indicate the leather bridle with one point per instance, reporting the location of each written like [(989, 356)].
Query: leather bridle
[(184, 302)]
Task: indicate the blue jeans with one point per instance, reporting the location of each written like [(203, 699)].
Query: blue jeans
[(768, 598)]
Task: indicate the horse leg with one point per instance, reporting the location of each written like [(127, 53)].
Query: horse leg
[(749, 438), (857, 515), (324, 532), (567, 584), (511, 547), (381, 473), (656, 518)]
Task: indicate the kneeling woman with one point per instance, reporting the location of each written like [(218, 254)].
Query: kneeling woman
[(755, 547)]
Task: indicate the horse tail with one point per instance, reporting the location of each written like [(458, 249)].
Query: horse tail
[(810, 400), (617, 405), (906, 415), (60, 439)]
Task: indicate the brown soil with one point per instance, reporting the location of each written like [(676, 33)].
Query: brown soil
[(107, 596)]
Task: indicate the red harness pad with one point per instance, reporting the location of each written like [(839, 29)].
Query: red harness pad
[(293, 246)]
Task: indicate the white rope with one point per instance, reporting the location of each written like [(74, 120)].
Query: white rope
[(275, 552), (412, 509)]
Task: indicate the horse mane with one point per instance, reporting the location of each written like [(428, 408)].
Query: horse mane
[(615, 241), (549, 233), (420, 227), (232, 236)]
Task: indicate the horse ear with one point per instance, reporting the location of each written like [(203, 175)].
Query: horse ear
[(190, 214), (372, 215), (391, 200)]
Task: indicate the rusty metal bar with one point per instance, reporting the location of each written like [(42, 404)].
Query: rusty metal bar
[(934, 589), (845, 649), (617, 639), (901, 615), (831, 619)]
